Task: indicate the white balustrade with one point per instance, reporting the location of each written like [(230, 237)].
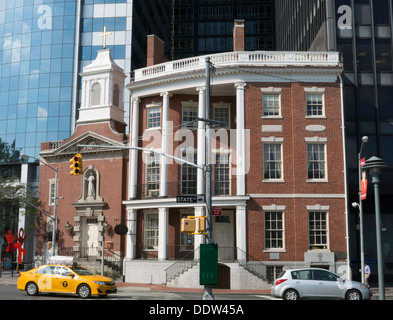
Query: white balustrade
[(255, 58)]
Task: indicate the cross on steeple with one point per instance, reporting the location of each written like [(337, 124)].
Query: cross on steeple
[(104, 35)]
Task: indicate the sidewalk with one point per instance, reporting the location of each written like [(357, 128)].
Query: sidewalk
[(8, 279), (158, 287)]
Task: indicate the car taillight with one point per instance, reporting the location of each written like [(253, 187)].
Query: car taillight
[(279, 281)]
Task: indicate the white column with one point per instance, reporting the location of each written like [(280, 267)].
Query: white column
[(164, 145), (133, 176), (131, 235), (163, 214), (240, 140), (201, 140), (241, 231)]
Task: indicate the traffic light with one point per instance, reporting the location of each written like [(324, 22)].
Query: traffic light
[(193, 225), (76, 165), (109, 245), (201, 224), (187, 225)]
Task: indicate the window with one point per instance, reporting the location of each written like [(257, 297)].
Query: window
[(62, 271), (96, 94), (318, 230), (152, 186), (46, 270), (315, 104), (274, 230), (316, 161), (222, 175), (51, 192), (221, 113), (189, 174), (302, 275), (116, 96), (154, 117), (271, 105), (322, 275), (190, 113), (151, 231), (273, 272), (272, 161)]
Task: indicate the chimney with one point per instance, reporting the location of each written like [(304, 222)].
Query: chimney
[(155, 51), (238, 36)]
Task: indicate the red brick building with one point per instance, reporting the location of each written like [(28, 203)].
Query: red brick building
[(278, 167), (84, 207)]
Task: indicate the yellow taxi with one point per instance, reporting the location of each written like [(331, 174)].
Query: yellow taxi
[(57, 278)]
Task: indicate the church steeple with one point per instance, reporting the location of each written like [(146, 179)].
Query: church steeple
[(102, 90)]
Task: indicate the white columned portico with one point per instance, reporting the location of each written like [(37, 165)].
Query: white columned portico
[(163, 214), (240, 140), (133, 176), (200, 211), (164, 145), (201, 140), (131, 235), (241, 231)]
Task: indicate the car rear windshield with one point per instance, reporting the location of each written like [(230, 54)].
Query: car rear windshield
[(82, 271)]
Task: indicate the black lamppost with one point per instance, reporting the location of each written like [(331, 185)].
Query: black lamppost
[(374, 165)]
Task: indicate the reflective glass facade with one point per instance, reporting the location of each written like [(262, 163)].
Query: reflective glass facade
[(206, 26), (37, 63), (363, 32), (44, 45)]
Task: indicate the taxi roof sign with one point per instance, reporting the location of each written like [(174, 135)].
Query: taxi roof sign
[(65, 260)]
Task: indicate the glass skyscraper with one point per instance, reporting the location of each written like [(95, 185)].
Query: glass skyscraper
[(37, 63), (362, 31), (206, 26), (44, 45)]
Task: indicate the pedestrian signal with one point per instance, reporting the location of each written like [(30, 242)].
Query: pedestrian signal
[(109, 245), (76, 165)]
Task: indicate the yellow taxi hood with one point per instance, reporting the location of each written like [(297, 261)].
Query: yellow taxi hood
[(97, 277)]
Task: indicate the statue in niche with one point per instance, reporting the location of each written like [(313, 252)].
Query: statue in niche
[(91, 187)]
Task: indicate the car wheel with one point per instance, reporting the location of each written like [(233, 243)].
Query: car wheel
[(84, 291), (31, 289), (353, 295), (291, 294)]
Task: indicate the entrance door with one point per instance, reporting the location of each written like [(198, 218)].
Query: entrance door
[(91, 237), (223, 235)]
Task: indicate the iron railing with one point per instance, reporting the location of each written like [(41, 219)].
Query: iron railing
[(219, 188), (225, 254), (182, 265)]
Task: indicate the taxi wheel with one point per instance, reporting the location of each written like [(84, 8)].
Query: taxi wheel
[(84, 291), (32, 289)]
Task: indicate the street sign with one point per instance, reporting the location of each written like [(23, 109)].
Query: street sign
[(190, 199), (216, 211)]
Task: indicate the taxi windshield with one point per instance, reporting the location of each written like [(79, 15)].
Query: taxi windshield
[(81, 271)]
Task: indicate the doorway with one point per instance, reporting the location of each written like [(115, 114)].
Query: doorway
[(90, 237), (224, 277), (223, 235)]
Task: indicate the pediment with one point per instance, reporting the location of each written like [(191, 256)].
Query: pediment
[(71, 147)]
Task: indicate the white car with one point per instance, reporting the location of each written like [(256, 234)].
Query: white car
[(296, 284)]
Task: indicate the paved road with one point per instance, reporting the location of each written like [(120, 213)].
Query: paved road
[(8, 291)]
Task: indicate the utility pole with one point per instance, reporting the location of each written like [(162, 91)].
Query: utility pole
[(209, 226), (208, 294)]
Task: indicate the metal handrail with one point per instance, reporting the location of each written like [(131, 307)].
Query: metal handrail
[(181, 265), (253, 265)]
